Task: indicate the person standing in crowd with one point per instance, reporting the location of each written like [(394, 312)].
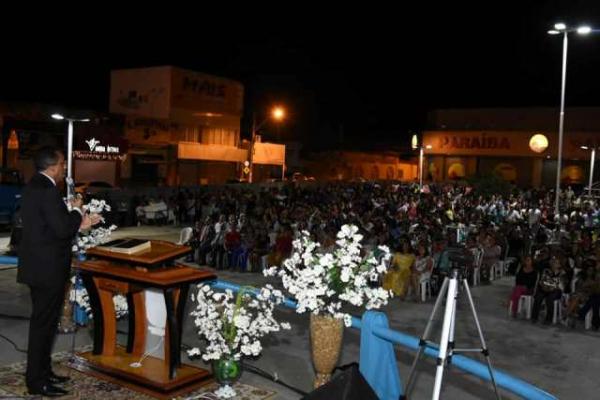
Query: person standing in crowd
[(45, 263)]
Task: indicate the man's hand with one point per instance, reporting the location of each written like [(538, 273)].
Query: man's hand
[(89, 220), (76, 202)]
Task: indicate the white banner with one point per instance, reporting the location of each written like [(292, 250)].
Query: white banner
[(213, 152), (269, 153)]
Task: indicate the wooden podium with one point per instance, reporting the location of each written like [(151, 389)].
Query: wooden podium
[(108, 273)]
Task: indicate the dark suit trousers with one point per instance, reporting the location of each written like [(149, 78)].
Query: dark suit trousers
[(46, 307)]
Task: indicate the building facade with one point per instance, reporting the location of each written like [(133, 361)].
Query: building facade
[(518, 145), (183, 127), (353, 165)]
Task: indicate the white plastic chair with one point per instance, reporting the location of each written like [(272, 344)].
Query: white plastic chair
[(497, 270), (476, 276), (525, 304), (588, 320), (425, 287), (185, 235), (557, 315)]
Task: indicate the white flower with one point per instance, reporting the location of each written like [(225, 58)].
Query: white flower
[(381, 268), (384, 249), (345, 275), (241, 321), (225, 392), (285, 325), (193, 352), (347, 320), (326, 260)]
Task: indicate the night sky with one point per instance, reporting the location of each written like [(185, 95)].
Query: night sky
[(354, 75)]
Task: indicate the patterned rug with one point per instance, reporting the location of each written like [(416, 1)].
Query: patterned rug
[(82, 386)]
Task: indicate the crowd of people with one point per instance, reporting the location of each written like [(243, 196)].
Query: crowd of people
[(555, 256)]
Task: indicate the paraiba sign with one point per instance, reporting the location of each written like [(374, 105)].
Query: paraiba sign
[(482, 141)]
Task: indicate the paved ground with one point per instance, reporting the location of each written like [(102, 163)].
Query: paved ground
[(562, 361)]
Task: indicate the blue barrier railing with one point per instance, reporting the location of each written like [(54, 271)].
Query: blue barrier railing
[(8, 260), (378, 360)]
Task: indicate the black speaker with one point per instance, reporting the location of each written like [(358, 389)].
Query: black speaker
[(346, 385)]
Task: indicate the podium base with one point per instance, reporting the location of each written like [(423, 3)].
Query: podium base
[(152, 378)]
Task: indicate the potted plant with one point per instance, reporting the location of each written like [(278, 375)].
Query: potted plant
[(232, 325), (323, 282)]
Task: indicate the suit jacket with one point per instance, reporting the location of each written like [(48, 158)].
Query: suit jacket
[(48, 232)]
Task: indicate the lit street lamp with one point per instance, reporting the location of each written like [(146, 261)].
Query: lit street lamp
[(278, 115), (69, 178), (558, 29)]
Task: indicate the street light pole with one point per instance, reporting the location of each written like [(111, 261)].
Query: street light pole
[(558, 29), (251, 155), (592, 160), (561, 123), (69, 178), (70, 156), (278, 114), (421, 167)]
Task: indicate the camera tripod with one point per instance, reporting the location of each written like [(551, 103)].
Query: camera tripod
[(450, 288)]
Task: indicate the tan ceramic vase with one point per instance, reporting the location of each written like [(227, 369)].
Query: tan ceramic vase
[(326, 341)]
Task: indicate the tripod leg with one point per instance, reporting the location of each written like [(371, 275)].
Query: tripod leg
[(423, 340), (450, 300), (451, 343), (484, 349)]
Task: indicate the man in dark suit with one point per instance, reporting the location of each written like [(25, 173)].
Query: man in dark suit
[(45, 262)]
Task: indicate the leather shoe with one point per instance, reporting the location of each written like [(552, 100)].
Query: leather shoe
[(49, 391), (57, 379)]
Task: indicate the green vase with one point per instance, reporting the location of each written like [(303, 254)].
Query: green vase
[(227, 371)]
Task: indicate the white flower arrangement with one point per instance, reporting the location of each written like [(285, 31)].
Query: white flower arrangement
[(84, 241), (233, 325), (95, 236), (322, 283)]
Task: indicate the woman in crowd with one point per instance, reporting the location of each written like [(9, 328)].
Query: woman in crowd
[(422, 268), (491, 255), (548, 290), (525, 282), (397, 278)]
